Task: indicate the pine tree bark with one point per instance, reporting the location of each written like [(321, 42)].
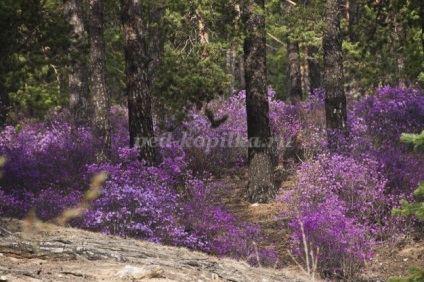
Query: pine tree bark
[(78, 76), (137, 81), (294, 78), (99, 94), (261, 186), (335, 99)]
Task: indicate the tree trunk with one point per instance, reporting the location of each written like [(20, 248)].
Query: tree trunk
[(422, 22), (203, 34), (99, 94), (352, 20), (335, 100), (294, 78), (137, 76), (78, 75), (241, 72), (231, 55), (232, 52), (156, 41), (4, 103), (261, 186), (314, 69), (304, 70), (156, 49)]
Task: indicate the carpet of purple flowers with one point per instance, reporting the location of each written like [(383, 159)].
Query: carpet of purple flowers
[(342, 199)]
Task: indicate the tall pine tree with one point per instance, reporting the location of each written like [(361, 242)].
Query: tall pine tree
[(261, 186), (99, 93), (137, 81), (335, 99)]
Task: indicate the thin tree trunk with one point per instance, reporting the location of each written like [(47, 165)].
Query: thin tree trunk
[(335, 100), (231, 57), (294, 77), (156, 47), (422, 22), (155, 39), (232, 52), (241, 72), (314, 69), (137, 74), (203, 34), (304, 70), (352, 20), (99, 94), (261, 186), (4, 103), (78, 75)]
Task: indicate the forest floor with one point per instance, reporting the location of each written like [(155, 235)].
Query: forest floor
[(390, 259), (36, 251)]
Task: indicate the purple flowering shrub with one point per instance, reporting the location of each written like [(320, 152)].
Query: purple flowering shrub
[(340, 203), (344, 199), (338, 242), (49, 154), (377, 123), (136, 201)]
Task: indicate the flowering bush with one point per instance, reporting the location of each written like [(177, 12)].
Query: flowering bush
[(339, 244), (344, 200), (137, 201), (340, 202), (49, 154), (377, 123)]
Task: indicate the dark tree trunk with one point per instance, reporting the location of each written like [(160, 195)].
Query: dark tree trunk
[(335, 99), (156, 41), (99, 94), (78, 75), (261, 186), (352, 20), (4, 102), (294, 78), (422, 22), (241, 72), (156, 47), (137, 76), (314, 69), (232, 53)]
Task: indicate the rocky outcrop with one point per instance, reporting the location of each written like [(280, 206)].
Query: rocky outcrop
[(44, 252)]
